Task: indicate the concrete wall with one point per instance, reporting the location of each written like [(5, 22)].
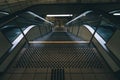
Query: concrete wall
[(12, 55), (4, 45), (75, 30), (84, 33), (33, 33), (114, 44)]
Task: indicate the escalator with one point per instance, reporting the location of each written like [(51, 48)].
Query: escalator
[(48, 59)]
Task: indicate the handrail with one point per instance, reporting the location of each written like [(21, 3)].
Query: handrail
[(102, 43), (40, 17), (15, 43), (17, 26), (13, 18), (78, 17), (85, 19)]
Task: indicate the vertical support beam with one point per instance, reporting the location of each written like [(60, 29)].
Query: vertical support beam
[(23, 35), (72, 29), (22, 32), (45, 28), (78, 30), (97, 26), (17, 24), (39, 29), (93, 35)]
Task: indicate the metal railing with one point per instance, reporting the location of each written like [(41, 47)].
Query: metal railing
[(16, 23), (86, 18)]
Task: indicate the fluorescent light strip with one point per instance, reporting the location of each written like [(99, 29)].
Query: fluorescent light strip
[(57, 42), (4, 13), (116, 14), (59, 15)]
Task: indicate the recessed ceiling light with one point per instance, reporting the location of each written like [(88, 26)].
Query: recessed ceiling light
[(4, 13), (116, 14), (59, 15)]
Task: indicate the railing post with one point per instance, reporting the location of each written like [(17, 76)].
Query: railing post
[(22, 32), (24, 35), (93, 35), (78, 31)]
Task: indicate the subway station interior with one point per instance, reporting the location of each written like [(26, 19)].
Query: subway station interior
[(59, 40)]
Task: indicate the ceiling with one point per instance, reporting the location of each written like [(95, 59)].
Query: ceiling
[(71, 8), (44, 7), (57, 1)]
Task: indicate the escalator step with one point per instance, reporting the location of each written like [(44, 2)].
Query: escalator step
[(59, 58)]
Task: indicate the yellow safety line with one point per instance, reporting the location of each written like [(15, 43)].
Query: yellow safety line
[(58, 42)]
